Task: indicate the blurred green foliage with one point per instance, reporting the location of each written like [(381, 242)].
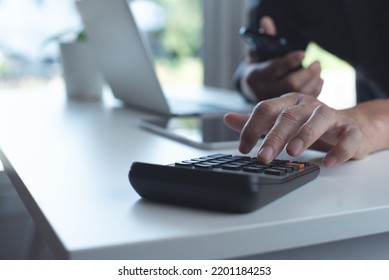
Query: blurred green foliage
[(181, 37), (3, 71), (3, 67)]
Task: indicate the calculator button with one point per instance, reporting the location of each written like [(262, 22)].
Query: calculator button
[(292, 167), (203, 166), (253, 169), (296, 164), (273, 171), (259, 166), (220, 161), (301, 162), (196, 160), (190, 161), (286, 169), (279, 161), (183, 164), (244, 162), (218, 155), (231, 167)]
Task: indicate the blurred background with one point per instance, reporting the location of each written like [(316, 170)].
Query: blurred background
[(193, 42), (31, 29)]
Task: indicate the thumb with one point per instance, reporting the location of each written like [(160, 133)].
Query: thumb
[(267, 26)]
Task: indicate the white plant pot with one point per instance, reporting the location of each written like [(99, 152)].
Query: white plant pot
[(83, 79)]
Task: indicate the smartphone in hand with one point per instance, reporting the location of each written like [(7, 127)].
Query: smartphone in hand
[(265, 45)]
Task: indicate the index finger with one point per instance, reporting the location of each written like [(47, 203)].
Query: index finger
[(263, 118)]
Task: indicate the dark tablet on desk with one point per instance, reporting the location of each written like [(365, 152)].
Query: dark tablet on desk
[(207, 132)]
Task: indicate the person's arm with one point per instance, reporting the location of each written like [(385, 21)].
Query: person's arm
[(298, 122), (373, 118), (258, 80)]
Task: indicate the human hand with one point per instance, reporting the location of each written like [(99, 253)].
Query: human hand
[(262, 80), (298, 122)]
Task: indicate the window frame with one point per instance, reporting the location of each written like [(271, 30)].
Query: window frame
[(222, 49)]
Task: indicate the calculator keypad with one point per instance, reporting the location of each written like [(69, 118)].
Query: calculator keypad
[(232, 163)]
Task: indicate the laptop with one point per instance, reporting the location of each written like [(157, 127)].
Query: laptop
[(126, 62)]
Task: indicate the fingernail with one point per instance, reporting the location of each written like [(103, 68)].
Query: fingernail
[(296, 146), (330, 161), (266, 154)]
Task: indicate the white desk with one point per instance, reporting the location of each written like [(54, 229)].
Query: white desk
[(69, 162)]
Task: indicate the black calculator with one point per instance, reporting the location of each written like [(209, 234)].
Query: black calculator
[(221, 182)]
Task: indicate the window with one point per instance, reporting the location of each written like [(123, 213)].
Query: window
[(31, 28), (192, 41), (26, 57), (339, 78), (174, 30)]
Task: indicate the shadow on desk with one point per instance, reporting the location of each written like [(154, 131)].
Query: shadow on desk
[(19, 238)]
